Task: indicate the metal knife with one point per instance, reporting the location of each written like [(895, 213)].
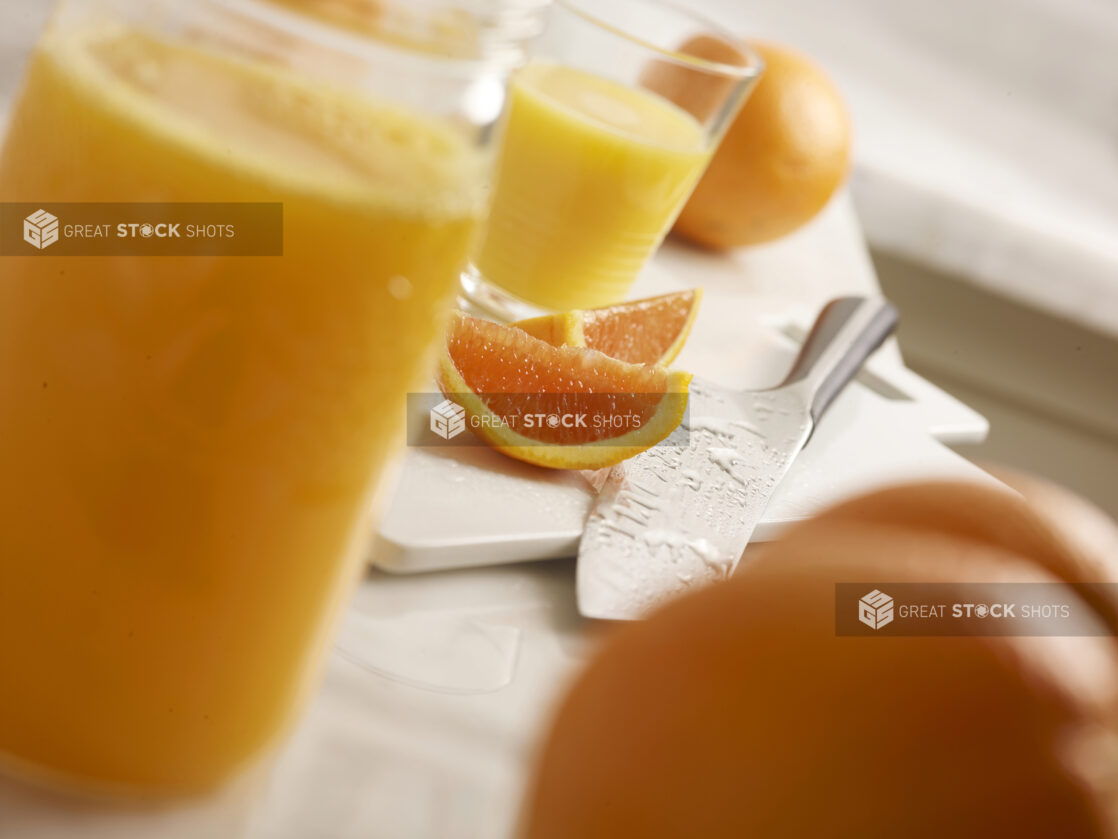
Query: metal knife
[(680, 514)]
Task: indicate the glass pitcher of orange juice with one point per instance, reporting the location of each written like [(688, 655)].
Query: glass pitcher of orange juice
[(192, 425)]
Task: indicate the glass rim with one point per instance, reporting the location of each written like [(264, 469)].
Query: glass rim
[(329, 35), (754, 68)]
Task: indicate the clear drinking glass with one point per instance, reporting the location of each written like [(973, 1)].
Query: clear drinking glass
[(190, 440), (609, 128)]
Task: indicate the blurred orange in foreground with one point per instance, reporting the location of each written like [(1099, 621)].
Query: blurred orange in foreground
[(781, 160), (738, 712)]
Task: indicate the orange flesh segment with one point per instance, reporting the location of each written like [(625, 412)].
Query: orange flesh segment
[(643, 331), (649, 331)]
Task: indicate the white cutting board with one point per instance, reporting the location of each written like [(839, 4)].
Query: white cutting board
[(465, 506)]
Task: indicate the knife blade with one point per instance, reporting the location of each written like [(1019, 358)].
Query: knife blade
[(680, 514)]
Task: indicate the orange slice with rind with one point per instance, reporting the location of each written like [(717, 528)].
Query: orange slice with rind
[(648, 331), (561, 407)]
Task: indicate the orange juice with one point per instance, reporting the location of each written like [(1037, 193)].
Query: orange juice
[(187, 445), (591, 176)]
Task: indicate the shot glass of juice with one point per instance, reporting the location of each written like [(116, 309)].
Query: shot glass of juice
[(190, 443), (608, 129)]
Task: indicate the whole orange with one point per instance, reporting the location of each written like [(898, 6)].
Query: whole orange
[(783, 157), (738, 711)]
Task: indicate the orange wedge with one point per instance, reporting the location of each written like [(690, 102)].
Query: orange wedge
[(649, 331), (561, 407)]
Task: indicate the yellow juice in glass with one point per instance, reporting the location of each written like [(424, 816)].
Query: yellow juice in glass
[(188, 445), (591, 176)]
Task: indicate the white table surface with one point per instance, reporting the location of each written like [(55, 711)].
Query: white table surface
[(375, 756)]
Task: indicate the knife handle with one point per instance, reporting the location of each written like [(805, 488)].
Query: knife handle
[(845, 333)]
